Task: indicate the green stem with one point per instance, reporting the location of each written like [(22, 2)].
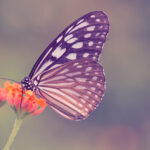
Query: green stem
[(16, 128)]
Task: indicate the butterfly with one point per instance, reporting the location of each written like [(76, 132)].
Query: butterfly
[(67, 74)]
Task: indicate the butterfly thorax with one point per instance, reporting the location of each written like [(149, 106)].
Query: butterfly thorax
[(27, 84)]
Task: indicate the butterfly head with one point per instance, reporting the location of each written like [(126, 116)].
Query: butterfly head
[(27, 84)]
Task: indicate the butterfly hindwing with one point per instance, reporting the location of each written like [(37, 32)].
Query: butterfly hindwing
[(84, 38), (74, 89)]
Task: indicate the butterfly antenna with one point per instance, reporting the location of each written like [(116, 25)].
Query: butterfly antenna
[(1, 78)]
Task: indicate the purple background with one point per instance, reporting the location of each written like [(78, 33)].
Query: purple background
[(122, 119)]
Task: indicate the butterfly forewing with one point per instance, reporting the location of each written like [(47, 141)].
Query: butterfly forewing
[(84, 38), (74, 89)]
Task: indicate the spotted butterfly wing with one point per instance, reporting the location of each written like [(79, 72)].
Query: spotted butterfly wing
[(83, 38), (67, 74)]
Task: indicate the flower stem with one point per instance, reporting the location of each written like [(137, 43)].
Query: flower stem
[(16, 128)]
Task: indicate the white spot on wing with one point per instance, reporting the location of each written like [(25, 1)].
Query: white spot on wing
[(98, 84), (80, 66), (75, 64), (87, 35), (91, 28), (85, 54), (72, 40), (72, 56), (96, 73), (83, 24), (101, 27), (92, 16), (90, 43), (97, 34), (98, 20), (77, 45), (102, 36), (100, 42), (58, 52), (94, 78), (96, 53), (88, 68), (94, 58), (68, 37), (98, 46)]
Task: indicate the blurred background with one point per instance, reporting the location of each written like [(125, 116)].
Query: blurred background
[(122, 121)]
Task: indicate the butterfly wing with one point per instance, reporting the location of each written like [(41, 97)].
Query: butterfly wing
[(74, 89), (67, 74), (84, 38)]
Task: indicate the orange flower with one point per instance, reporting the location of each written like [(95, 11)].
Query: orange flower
[(31, 105), (3, 96)]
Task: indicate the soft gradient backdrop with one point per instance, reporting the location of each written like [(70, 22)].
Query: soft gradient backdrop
[(122, 121)]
